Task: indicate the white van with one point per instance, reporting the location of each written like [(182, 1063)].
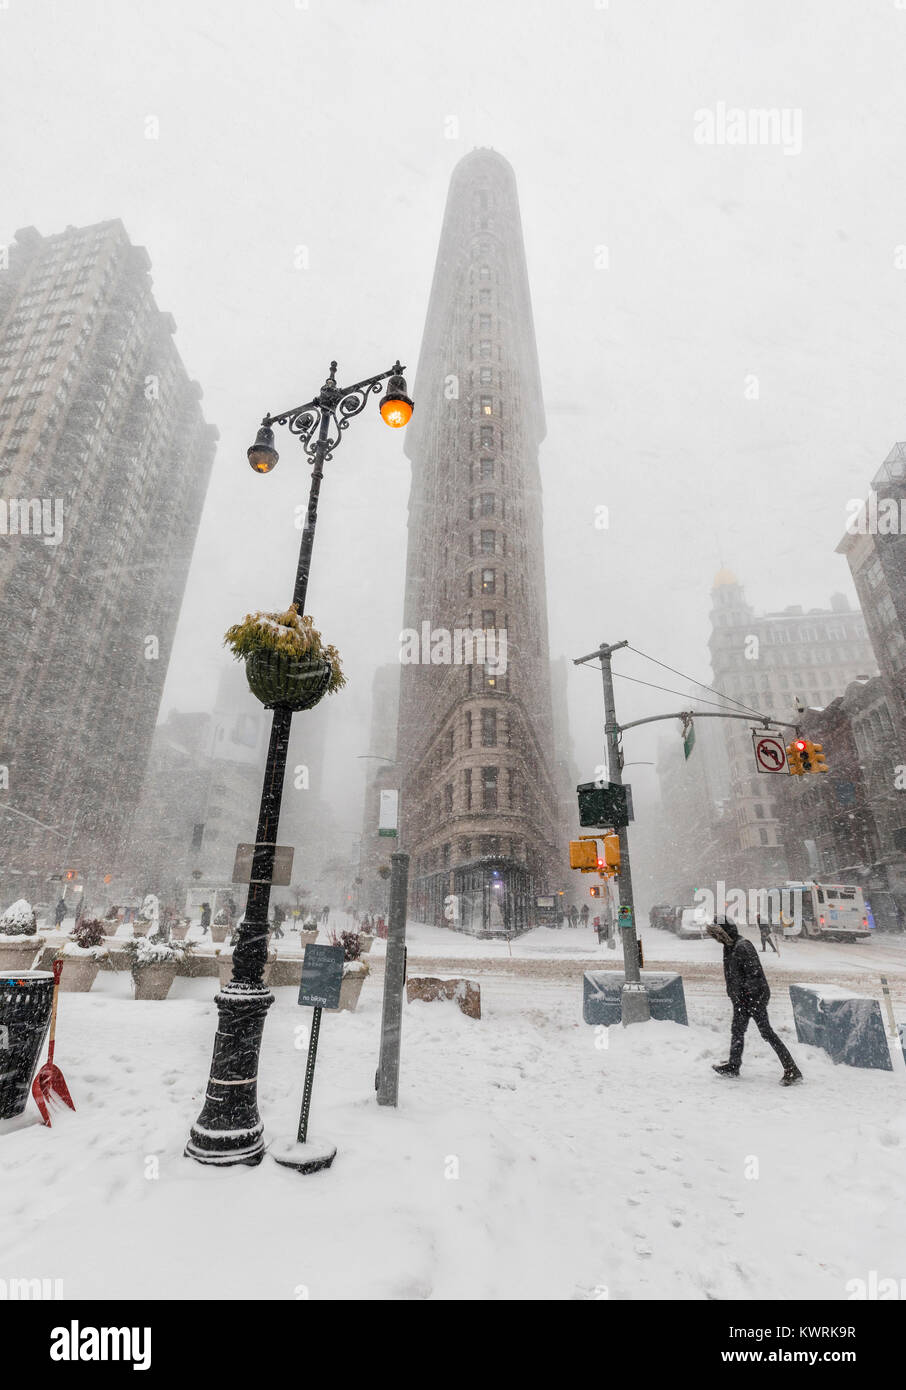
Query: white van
[(830, 911)]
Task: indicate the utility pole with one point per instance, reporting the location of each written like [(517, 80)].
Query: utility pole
[(635, 1006), (387, 1079)]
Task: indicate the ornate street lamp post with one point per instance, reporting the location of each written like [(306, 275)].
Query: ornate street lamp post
[(229, 1128)]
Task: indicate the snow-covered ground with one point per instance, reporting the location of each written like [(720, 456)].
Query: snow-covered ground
[(526, 1160)]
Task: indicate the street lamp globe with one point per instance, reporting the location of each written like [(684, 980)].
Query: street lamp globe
[(396, 405), (262, 455)]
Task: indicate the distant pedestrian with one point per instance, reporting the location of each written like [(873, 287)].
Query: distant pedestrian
[(574, 916), (325, 914), (205, 918), (749, 993), (584, 914), (766, 937), (59, 913), (279, 918)]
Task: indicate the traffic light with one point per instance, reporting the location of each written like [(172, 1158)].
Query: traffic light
[(805, 753), (819, 763), (596, 890), (794, 752), (612, 852), (583, 854)]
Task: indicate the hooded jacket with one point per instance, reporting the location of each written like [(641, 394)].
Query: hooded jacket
[(747, 984)]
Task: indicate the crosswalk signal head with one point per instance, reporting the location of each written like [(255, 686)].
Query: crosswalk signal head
[(805, 753), (583, 854), (819, 762), (596, 890)]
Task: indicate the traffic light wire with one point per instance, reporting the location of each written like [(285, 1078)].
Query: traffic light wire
[(748, 708)]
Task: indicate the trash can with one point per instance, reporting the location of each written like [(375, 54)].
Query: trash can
[(25, 1003)]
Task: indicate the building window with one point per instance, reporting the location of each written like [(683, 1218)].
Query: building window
[(468, 728), (487, 504), (487, 405), (488, 539), (487, 436), (485, 376), (484, 348), (486, 469), (450, 742), (448, 799), (484, 296), (488, 581), (484, 323), (467, 787), (489, 788), (488, 618), (484, 272), (489, 728)]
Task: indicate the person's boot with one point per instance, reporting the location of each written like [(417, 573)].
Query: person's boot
[(725, 1068), (790, 1074)]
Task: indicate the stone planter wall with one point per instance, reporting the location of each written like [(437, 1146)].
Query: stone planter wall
[(350, 990), (17, 956), (153, 981), (79, 974)]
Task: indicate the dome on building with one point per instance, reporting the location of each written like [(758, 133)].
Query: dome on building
[(724, 576)]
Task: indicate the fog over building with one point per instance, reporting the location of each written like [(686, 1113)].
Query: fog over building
[(102, 435), (480, 798)]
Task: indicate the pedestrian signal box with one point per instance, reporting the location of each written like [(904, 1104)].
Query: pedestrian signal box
[(583, 854), (612, 852), (596, 890)]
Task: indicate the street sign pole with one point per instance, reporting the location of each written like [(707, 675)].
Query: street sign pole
[(387, 1078), (322, 978), (635, 1005)]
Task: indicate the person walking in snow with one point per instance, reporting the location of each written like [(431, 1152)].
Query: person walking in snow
[(59, 913), (205, 918), (573, 916), (766, 937), (279, 916), (749, 993), (325, 914), (584, 914)]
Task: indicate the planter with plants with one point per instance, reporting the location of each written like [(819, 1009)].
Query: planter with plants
[(141, 926), (19, 940), (366, 938), (179, 929), (355, 970), (153, 964), (220, 925), (83, 955), (287, 663)]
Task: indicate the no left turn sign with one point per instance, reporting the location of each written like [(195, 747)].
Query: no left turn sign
[(770, 752)]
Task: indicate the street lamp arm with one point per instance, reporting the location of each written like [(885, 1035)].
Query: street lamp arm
[(764, 720), (335, 405)]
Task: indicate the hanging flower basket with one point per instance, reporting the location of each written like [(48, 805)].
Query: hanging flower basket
[(274, 679), (287, 663)]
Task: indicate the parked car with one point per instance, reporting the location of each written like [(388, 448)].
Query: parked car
[(663, 917), (691, 921)]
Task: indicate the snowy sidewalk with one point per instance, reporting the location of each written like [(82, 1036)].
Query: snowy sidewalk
[(524, 1161)]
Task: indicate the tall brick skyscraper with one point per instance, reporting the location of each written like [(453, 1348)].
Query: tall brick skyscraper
[(105, 459), (479, 800)]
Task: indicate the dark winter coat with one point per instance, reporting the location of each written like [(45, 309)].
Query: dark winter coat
[(747, 984)]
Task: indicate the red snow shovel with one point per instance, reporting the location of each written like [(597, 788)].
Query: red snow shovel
[(49, 1080)]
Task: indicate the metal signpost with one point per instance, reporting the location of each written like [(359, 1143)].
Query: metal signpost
[(387, 1078), (322, 976)]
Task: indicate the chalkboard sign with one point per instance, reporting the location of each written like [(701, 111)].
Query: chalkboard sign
[(322, 975)]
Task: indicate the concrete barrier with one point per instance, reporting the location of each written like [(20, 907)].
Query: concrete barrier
[(603, 989), (848, 1026)]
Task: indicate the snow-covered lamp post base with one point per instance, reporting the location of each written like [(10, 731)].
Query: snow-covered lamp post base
[(229, 1128)]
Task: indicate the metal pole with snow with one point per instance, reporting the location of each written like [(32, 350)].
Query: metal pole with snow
[(387, 1078)]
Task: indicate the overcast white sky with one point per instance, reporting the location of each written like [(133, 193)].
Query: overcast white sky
[(324, 125)]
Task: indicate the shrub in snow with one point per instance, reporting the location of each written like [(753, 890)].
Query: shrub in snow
[(112, 915), (287, 633), (88, 935), (144, 952), (222, 918), (352, 950), (19, 920)]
